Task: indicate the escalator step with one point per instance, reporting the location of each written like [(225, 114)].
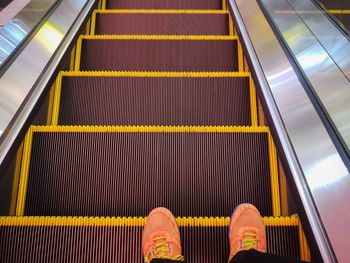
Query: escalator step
[(160, 53), (104, 99), (164, 4), (115, 22), (108, 171), (119, 240)]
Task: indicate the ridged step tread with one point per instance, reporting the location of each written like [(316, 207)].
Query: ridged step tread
[(171, 22), (157, 53), (138, 98), (163, 4), (107, 171), (67, 239)]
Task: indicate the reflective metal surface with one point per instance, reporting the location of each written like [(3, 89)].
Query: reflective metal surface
[(339, 10), (322, 51), (24, 81), (17, 21), (321, 178)]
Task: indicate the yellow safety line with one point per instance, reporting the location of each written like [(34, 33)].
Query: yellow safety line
[(133, 221), (246, 67), (50, 105), (209, 129), (104, 4), (158, 37), (78, 53), (224, 6), (22, 191), (93, 22), (303, 246), (88, 26), (230, 26), (57, 99), (261, 114), (276, 202), (253, 108), (283, 190), (161, 11), (15, 182), (240, 57), (160, 74), (72, 58)]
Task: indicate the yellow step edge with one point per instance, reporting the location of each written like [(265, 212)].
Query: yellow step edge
[(161, 74), (224, 5), (201, 129), (275, 193), (22, 188), (253, 102), (161, 11), (134, 221), (16, 180), (23, 184), (303, 245), (158, 37), (50, 104)]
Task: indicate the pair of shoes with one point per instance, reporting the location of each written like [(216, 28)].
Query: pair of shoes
[(161, 236)]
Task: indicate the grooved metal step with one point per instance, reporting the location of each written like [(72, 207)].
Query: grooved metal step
[(118, 98), (106, 171), (164, 4), (157, 53), (119, 240), (156, 23)]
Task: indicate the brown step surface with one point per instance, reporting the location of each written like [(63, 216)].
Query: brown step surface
[(158, 55), (164, 4), (114, 173), (162, 24), (123, 244), (102, 100)]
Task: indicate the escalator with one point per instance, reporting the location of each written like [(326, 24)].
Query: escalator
[(159, 109)]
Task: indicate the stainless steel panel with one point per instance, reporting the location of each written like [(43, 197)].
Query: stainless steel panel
[(17, 20), (321, 178), (318, 46), (336, 44), (24, 81)]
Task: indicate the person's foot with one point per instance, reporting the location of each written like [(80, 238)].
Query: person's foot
[(161, 236), (246, 230)]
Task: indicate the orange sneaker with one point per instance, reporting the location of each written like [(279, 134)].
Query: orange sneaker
[(161, 236), (246, 230)]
